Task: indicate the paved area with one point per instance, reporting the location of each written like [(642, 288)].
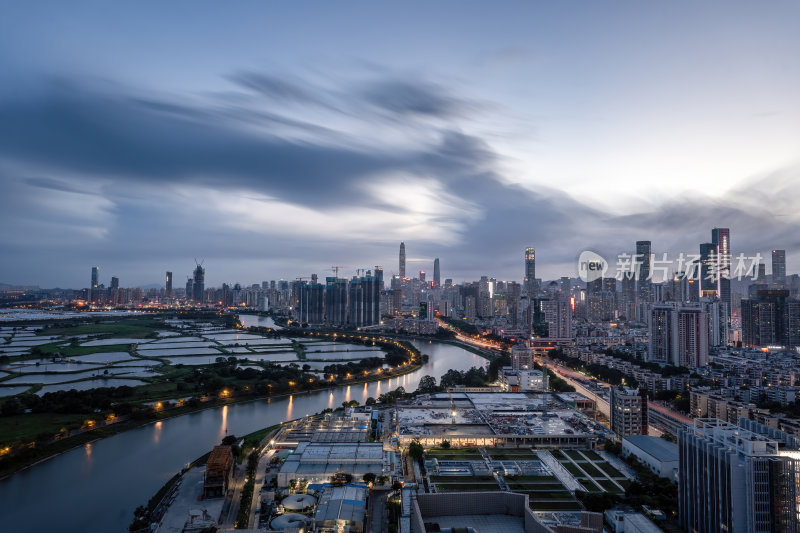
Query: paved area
[(378, 515), (483, 523), (186, 499)]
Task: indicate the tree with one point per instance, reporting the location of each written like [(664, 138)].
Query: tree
[(370, 401), (229, 440), (415, 450), (445, 444), (427, 385), (369, 477), (11, 407)]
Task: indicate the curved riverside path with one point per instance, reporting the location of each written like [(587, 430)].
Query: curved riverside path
[(95, 488)]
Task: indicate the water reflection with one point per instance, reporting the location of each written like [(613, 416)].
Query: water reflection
[(157, 431), (145, 462)]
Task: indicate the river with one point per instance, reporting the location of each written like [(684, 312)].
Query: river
[(95, 488)]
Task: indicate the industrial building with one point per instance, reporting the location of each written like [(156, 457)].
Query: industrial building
[(484, 512), (657, 454), (218, 471), (318, 462), (541, 420), (341, 509)]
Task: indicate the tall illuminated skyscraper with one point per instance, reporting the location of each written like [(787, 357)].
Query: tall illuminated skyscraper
[(168, 287), (199, 285), (643, 281), (95, 277), (721, 238), (708, 270), (530, 271), (779, 268), (437, 275), (402, 260)]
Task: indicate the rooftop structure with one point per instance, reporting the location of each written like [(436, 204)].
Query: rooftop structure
[(218, 471), (319, 462), (659, 455), (499, 419), (342, 509)]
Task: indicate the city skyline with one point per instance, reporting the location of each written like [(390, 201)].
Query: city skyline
[(488, 130)]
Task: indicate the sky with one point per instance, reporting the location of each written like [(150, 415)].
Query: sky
[(274, 140)]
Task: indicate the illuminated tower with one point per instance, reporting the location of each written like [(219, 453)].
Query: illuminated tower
[(721, 238), (530, 271), (168, 288), (643, 281), (437, 279), (779, 268), (199, 284), (708, 270), (402, 259)]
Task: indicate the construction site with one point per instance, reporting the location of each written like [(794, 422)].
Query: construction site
[(539, 420)]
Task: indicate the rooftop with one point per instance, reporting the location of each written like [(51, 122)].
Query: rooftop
[(660, 449)]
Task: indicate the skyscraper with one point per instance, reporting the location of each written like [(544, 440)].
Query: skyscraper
[(168, 288), (199, 284), (437, 275), (312, 303), (402, 260), (335, 301), (709, 270), (721, 237), (679, 335), (643, 281), (779, 268), (530, 271), (771, 319), (95, 277), (628, 411), (735, 480)]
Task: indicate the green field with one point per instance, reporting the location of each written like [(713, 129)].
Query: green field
[(27, 427), (593, 455), (608, 469), (573, 454), (544, 505), (530, 487), (572, 469), (466, 487), (531, 479)]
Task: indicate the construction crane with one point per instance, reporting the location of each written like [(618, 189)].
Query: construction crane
[(335, 269), (301, 278)]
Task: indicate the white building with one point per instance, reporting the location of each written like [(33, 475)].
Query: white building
[(657, 454)]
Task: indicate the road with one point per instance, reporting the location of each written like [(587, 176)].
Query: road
[(572, 377), (378, 518)]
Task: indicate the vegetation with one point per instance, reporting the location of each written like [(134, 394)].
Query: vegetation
[(243, 516), (415, 450), (598, 371)]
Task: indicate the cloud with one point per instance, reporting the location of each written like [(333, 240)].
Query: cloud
[(268, 187), (417, 98)]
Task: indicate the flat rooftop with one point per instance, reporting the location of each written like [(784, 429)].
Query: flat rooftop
[(499, 523), (500, 414), (660, 449)]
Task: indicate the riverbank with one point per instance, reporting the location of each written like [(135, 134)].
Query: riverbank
[(32, 457)]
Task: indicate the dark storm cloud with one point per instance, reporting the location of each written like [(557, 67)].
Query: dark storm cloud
[(405, 98), (87, 135), (74, 138), (281, 88), (94, 133)]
